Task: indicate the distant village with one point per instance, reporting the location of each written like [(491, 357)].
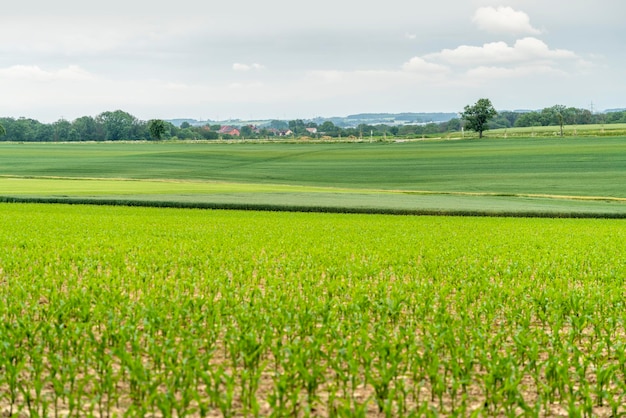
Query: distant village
[(353, 125), (234, 131)]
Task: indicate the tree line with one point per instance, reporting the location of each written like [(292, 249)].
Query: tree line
[(480, 116), (551, 116), (107, 126), (119, 125)]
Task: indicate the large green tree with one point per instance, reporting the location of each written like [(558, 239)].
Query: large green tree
[(297, 126), (157, 129), (478, 115), (88, 129), (119, 125)]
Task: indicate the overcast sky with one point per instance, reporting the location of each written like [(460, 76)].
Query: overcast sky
[(286, 59)]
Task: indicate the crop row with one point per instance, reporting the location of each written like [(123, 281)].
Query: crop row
[(108, 311)]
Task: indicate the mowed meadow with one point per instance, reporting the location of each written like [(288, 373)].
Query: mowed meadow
[(110, 310), (529, 176)]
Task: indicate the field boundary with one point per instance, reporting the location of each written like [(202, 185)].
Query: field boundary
[(309, 208)]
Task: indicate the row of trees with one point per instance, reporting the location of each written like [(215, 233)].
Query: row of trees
[(107, 126), (120, 125), (482, 116), (478, 117), (552, 116)]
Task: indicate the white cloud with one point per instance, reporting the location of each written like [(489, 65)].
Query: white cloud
[(503, 20), (421, 66), (490, 73), (523, 51), (247, 67)]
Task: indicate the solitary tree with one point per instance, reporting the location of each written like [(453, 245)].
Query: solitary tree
[(156, 128), (477, 116)]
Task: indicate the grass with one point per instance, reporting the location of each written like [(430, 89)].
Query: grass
[(520, 174), (612, 129)]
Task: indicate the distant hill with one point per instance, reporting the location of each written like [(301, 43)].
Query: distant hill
[(404, 117), (193, 122), (343, 121)]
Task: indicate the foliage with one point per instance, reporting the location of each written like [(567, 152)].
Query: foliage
[(477, 116), (247, 131), (88, 129), (157, 129), (549, 117), (134, 311), (297, 127), (119, 125), (278, 124), (2, 130)]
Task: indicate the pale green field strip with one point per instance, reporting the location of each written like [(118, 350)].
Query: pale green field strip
[(265, 196), (123, 187)]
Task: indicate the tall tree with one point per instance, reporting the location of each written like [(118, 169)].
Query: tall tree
[(278, 124), (88, 129), (24, 130), (156, 128), (246, 131), (477, 116), (297, 126), (119, 125), (62, 130)]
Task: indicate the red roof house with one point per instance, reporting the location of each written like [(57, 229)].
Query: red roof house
[(229, 130)]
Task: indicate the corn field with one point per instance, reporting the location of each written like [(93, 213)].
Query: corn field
[(114, 311)]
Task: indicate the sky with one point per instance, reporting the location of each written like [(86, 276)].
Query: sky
[(288, 59)]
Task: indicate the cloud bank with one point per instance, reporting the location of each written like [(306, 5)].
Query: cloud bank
[(525, 50), (71, 59)]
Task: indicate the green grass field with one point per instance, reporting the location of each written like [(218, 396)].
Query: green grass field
[(568, 131), (521, 175)]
